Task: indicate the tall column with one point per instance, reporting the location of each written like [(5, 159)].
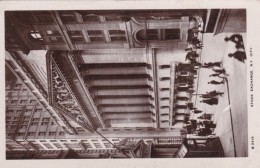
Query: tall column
[(124, 92), (115, 56), (127, 109), (119, 70), (118, 82), (132, 123), (121, 82), (128, 101), (140, 115)]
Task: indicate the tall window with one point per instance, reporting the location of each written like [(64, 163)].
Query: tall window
[(23, 101), (76, 36), (42, 133), (32, 101), (158, 34), (95, 35), (90, 18), (150, 34), (52, 133), (117, 35), (67, 17), (172, 34), (13, 101), (53, 36), (153, 34)]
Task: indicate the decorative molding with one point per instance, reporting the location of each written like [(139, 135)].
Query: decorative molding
[(63, 98)]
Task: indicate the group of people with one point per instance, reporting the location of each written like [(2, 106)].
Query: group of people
[(206, 127), (193, 41), (201, 127), (218, 73), (239, 54), (193, 45), (211, 98)]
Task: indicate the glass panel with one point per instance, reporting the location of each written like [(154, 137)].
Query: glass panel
[(118, 38), (94, 39), (87, 18), (94, 32), (171, 34), (116, 32)]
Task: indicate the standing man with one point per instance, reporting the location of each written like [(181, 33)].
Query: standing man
[(220, 71), (239, 55), (211, 64), (212, 101), (216, 82)]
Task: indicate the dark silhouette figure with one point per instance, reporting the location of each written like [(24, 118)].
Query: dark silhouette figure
[(188, 49), (204, 132), (216, 75), (211, 101), (206, 116), (196, 42), (197, 111), (208, 124), (191, 55), (206, 96), (220, 71), (195, 63), (216, 82), (239, 55), (190, 105), (191, 91), (211, 94), (182, 98), (211, 64), (237, 39), (215, 93)]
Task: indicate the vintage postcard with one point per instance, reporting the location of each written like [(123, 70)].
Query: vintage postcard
[(148, 83)]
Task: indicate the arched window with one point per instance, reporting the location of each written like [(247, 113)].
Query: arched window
[(149, 34), (67, 16), (35, 36)]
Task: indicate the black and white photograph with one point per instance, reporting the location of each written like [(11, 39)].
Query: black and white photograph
[(132, 83)]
